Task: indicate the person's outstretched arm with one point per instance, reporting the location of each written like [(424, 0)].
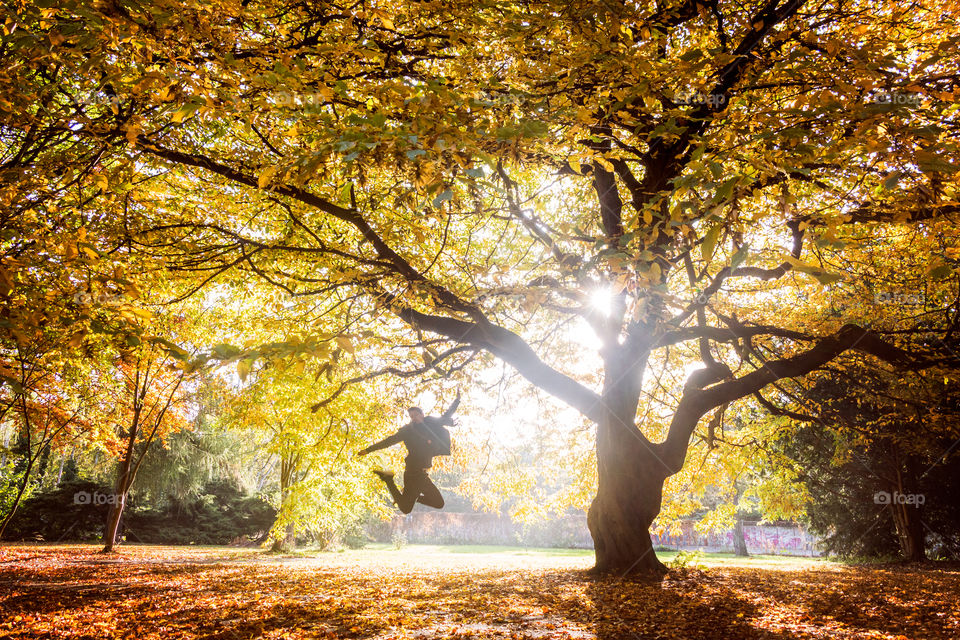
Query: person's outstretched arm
[(447, 417), (389, 441)]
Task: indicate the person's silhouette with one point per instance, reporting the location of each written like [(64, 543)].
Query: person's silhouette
[(424, 437)]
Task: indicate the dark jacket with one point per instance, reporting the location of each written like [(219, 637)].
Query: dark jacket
[(418, 438)]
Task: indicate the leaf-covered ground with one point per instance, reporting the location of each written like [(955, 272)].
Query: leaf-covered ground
[(71, 591)]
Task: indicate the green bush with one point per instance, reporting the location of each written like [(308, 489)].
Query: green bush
[(77, 510), (74, 511)]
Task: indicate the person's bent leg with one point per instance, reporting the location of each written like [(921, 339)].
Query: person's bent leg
[(416, 482), (398, 497), (411, 490), (429, 494)]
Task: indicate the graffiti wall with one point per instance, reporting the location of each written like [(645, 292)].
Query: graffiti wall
[(570, 531), (792, 540), (438, 527)]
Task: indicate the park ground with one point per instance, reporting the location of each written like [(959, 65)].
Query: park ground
[(72, 591)]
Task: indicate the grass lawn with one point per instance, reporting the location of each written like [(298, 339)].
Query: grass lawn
[(422, 591)]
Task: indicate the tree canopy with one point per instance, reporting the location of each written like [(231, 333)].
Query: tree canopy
[(648, 210)]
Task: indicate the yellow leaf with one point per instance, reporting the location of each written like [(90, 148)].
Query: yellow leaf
[(132, 291), (603, 162), (266, 175), (132, 132), (344, 343)]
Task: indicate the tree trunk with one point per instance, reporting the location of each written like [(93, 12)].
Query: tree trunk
[(629, 490), (113, 519), (286, 540), (24, 444), (906, 509), (16, 501), (124, 480), (739, 542), (906, 518), (910, 533)]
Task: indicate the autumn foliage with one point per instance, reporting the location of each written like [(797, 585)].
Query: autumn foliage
[(157, 592)]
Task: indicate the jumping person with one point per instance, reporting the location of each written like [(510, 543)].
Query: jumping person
[(424, 437)]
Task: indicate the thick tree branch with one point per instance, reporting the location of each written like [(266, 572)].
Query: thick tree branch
[(696, 402), (510, 348), (352, 216)]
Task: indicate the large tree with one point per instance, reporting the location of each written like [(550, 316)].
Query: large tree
[(495, 177)]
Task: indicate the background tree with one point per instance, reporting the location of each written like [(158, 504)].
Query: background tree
[(149, 389), (52, 411), (875, 466)]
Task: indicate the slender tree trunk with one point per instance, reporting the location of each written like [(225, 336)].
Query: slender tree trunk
[(26, 472), (739, 542), (16, 501), (121, 487), (909, 532), (906, 510), (116, 508), (285, 541), (63, 461)]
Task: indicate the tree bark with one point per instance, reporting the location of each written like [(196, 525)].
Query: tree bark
[(285, 540), (909, 532), (26, 443), (627, 501), (630, 479), (122, 485), (116, 508), (739, 542), (906, 516)]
